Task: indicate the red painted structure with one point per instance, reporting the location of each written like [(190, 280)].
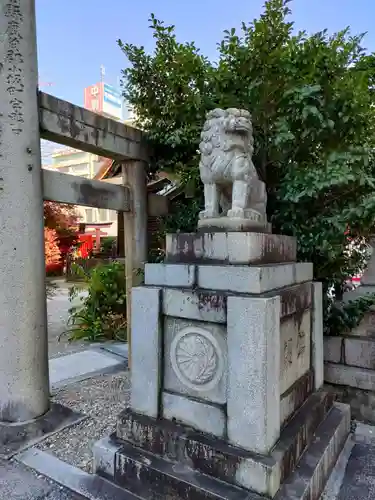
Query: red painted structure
[(86, 245)]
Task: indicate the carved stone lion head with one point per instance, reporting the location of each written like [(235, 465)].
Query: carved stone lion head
[(224, 128)]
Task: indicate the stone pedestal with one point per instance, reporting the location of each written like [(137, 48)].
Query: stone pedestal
[(227, 370)]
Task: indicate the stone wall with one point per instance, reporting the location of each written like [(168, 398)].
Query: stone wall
[(350, 368)]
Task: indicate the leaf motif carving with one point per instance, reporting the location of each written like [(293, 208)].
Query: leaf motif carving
[(196, 358)]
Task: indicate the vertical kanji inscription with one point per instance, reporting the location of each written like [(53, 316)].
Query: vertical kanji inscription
[(13, 65)]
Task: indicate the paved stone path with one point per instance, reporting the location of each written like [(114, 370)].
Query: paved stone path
[(58, 313), (359, 480), (18, 482)]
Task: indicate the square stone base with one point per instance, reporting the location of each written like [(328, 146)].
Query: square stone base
[(225, 224), (15, 437), (239, 248), (153, 455)]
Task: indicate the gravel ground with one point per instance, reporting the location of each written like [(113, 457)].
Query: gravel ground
[(101, 399), (58, 313), (18, 482)]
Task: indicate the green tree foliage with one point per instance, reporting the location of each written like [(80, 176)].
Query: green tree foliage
[(101, 315), (311, 101)]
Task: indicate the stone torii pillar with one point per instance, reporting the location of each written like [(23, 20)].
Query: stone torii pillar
[(24, 383)]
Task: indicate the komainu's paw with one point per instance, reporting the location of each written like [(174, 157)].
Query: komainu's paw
[(208, 214), (236, 213)]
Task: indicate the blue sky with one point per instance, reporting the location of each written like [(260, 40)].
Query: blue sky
[(76, 36)]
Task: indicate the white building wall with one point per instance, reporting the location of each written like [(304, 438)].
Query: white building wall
[(76, 162)]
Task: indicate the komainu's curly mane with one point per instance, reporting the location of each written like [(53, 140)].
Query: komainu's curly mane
[(232, 187), (225, 135)]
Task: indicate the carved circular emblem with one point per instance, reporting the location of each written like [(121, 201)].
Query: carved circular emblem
[(197, 359)]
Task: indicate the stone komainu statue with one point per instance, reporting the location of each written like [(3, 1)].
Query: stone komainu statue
[(231, 184)]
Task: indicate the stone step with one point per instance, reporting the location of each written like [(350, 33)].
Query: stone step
[(310, 476), (154, 478), (90, 486), (216, 458)]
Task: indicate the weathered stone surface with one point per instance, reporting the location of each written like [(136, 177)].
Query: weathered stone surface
[(104, 452), (227, 172), (242, 279), (230, 248), (295, 348), (253, 279), (309, 479), (352, 376), (211, 306), (360, 352), (253, 224), (362, 402), (211, 348), (142, 473), (333, 351), (197, 414), (16, 437), (253, 372), (299, 432), (18, 482), (24, 388), (214, 457), (80, 128), (75, 190), (295, 299), (358, 481), (69, 478), (146, 350), (195, 304), (295, 396), (317, 335), (366, 328), (174, 275), (207, 454)]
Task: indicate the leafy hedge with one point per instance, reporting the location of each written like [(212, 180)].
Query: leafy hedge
[(311, 99)]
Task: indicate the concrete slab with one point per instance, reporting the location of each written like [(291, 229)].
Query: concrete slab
[(89, 486), (15, 437), (81, 365), (359, 480), (18, 482), (118, 348)]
